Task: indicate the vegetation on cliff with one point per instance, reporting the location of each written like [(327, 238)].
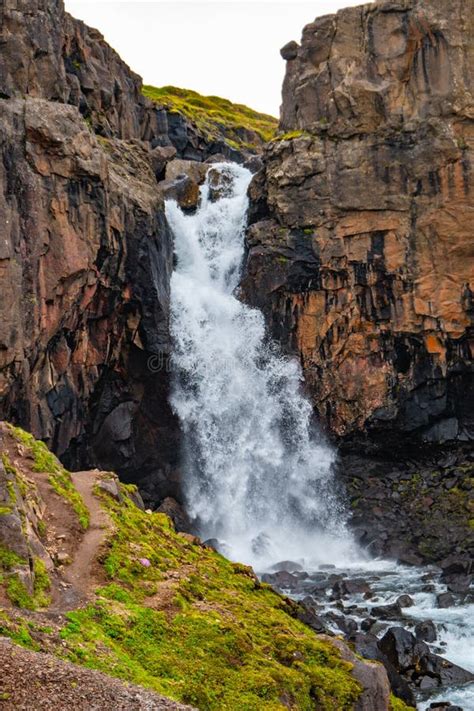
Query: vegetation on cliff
[(215, 117)]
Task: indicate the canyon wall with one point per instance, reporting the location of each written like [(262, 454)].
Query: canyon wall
[(360, 254), (85, 251), (361, 251)]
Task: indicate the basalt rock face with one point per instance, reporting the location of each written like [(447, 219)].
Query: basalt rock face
[(85, 250), (360, 250)]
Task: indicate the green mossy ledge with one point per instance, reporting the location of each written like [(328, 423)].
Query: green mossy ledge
[(217, 118), (222, 639), (177, 617)]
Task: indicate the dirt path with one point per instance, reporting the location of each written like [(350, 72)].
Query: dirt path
[(81, 574)]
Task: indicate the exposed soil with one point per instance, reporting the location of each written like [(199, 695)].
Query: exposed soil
[(30, 681)]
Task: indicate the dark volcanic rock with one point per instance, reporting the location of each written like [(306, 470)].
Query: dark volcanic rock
[(426, 631), (357, 281), (445, 600)]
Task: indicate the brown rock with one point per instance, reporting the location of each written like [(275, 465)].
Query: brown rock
[(363, 261)]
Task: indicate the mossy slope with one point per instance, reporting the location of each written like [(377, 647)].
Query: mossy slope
[(179, 618), (214, 117)]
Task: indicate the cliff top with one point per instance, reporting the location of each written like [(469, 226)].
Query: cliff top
[(214, 116)]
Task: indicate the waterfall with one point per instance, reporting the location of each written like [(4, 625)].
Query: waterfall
[(257, 476)]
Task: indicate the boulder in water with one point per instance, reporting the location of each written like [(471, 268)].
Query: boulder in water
[(426, 631), (289, 565), (388, 612), (350, 587), (402, 649), (281, 580), (445, 600), (405, 601)]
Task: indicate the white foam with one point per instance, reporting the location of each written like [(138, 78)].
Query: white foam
[(257, 475)]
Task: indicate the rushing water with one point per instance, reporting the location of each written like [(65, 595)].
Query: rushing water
[(257, 476)]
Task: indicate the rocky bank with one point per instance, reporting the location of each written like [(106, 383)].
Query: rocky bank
[(361, 257)]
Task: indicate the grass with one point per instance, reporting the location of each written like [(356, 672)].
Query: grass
[(216, 117), (221, 641), (59, 478), (182, 620)]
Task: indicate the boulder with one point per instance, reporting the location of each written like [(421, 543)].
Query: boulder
[(402, 649), (289, 51), (177, 514), (349, 586), (426, 631), (445, 600)]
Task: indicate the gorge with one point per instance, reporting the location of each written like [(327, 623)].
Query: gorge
[(268, 330)]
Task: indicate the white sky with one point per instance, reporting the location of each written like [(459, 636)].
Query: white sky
[(227, 48)]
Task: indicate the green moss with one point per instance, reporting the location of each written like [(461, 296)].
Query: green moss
[(9, 560), (218, 638), (16, 630), (289, 135), (397, 704), (59, 478), (216, 117), (19, 595)]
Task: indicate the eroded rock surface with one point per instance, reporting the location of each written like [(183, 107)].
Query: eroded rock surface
[(85, 251), (360, 254)]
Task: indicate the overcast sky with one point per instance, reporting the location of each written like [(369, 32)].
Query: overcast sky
[(224, 47)]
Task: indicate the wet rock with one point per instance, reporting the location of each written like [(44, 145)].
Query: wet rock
[(426, 631), (458, 583), (445, 672), (281, 580), (289, 566), (254, 164), (445, 600), (402, 649), (445, 706), (366, 624), (404, 601), (177, 514), (387, 612), (350, 586)]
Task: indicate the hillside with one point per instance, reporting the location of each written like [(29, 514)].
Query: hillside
[(214, 117), (90, 577)]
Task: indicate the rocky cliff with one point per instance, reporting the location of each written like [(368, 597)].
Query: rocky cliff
[(361, 256), (361, 251), (85, 252)]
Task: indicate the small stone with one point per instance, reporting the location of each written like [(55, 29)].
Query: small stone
[(289, 51)]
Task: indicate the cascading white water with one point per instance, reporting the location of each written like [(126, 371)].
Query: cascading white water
[(256, 475)]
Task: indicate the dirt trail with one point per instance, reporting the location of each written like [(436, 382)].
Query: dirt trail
[(81, 574)]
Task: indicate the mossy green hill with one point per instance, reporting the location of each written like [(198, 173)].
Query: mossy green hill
[(215, 117), (173, 615)]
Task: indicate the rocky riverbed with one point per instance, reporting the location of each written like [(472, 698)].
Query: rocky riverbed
[(417, 621)]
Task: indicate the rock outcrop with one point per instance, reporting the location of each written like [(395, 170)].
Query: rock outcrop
[(85, 251), (361, 254)]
